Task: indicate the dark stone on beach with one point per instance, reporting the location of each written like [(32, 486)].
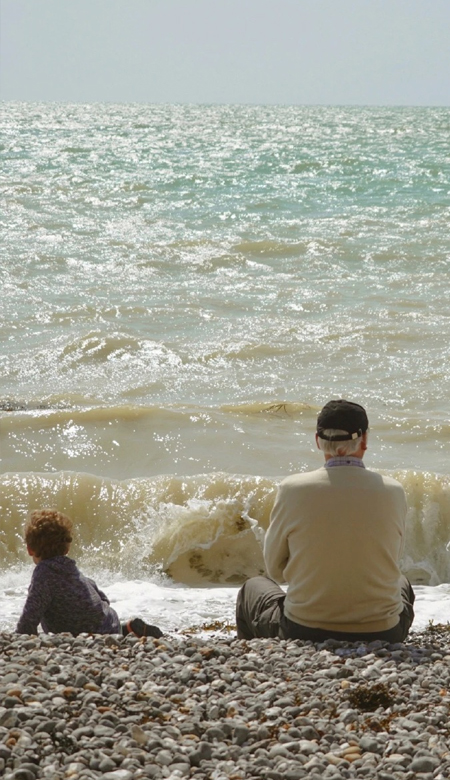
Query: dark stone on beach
[(49, 726), (106, 764), (202, 753), (9, 719), (308, 732), (53, 669), (424, 764), (22, 774), (292, 712), (241, 734), (29, 767), (81, 680), (11, 701), (214, 733)]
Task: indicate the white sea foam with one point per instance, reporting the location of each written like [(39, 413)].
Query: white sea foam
[(177, 608)]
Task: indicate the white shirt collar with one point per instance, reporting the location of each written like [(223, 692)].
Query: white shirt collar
[(345, 460)]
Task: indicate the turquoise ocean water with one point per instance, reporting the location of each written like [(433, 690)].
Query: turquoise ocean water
[(183, 287)]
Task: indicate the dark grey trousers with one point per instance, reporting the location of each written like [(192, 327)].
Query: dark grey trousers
[(260, 613)]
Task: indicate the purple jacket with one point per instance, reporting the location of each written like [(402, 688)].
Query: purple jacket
[(62, 599)]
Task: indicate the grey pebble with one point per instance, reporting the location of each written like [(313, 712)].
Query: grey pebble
[(241, 734), (9, 719), (424, 764), (106, 764), (370, 744)]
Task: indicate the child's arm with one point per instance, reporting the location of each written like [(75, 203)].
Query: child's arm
[(102, 595), (38, 599)]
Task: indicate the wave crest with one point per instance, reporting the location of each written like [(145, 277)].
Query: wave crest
[(199, 530)]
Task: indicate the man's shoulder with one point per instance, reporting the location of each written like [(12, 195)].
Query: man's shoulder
[(342, 474), (389, 482), (379, 476), (304, 478)]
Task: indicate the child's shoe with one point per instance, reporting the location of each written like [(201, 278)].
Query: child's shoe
[(139, 628)]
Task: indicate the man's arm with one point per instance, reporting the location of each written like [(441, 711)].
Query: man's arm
[(38, 599), (403, 528), (276, 548)]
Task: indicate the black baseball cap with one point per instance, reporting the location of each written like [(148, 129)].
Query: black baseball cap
[(343, 416)]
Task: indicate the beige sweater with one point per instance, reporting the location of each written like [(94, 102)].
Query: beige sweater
[(336, 537)]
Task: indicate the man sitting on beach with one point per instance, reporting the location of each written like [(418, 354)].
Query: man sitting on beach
[(336, 536), (60, 598)]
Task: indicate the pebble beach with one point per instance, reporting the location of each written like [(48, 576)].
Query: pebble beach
[(211, 706)]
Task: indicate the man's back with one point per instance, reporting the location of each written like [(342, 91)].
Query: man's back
[(336, 538)]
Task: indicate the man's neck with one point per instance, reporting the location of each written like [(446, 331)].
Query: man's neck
[(343, 460)]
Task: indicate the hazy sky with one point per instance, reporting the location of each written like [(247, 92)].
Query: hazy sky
[(383, 52)]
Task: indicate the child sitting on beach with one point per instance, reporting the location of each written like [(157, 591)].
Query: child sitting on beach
[(60, 597)]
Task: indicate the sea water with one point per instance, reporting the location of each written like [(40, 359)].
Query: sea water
[(183, 288)]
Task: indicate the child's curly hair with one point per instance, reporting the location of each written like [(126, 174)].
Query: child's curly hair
[(48, 533)]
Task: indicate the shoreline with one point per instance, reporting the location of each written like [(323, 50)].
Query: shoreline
[(217, 707)]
